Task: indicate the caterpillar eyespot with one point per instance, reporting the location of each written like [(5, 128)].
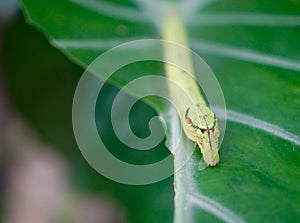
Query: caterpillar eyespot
[(189, 121)]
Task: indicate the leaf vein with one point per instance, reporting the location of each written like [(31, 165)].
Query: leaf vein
[(245, 19), (250, 121), (245, 54), (213, 207)]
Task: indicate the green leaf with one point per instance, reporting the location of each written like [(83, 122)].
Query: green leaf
[(253, 49)]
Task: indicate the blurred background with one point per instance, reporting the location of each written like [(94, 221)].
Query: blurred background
[(43, 176)]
